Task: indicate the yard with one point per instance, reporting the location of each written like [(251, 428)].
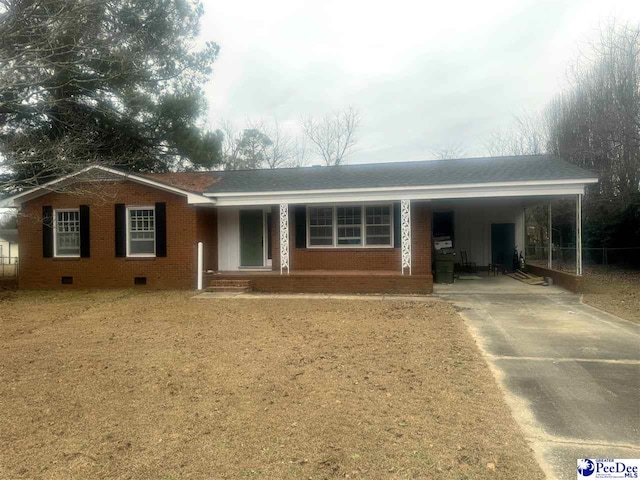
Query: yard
[(124, 384), (616, 292)]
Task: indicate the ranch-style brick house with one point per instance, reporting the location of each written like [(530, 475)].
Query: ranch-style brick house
[(355, 228)]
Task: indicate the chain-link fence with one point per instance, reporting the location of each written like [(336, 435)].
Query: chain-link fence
[(597, 259), (9, 267)]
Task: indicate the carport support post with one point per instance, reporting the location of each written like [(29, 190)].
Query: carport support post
[(284, 237), (550, 253), (579, 234)]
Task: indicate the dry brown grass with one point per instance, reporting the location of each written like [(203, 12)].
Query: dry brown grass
[(157, 385), (616, 292)]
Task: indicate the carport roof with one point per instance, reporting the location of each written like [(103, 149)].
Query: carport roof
[(528, 168)]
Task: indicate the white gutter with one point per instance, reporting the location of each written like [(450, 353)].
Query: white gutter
[(582, 181), (399, 193)]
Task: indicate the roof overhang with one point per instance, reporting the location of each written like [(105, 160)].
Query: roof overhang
[(478, 190), (56, 185)]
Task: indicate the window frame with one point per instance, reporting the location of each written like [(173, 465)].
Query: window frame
[(363, 226), (128, 231), (333, 226), (55, 233), (391, 227)]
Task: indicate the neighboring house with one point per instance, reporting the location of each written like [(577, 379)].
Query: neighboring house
[(8, 252), (357, 228), (8, 245)]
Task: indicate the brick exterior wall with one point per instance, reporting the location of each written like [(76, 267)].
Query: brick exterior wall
[(313, 283), (571, 282), (420, 238), (185, 224), (382, 259), (207, 232)]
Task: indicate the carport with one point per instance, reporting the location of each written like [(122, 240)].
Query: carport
[(487, 231)]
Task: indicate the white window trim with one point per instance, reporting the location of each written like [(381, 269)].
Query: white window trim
[(55, 233), (363, 226), (128, 227)]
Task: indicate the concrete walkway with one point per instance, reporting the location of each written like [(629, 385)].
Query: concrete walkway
[(570, 372)]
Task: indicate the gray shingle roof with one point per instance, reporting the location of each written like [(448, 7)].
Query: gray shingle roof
[(405, 174)]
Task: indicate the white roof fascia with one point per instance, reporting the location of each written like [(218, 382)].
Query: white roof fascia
[(582, 181), (269, 198)]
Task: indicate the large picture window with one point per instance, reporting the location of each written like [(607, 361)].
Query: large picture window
[(67, 233), (141, 231), (350, 226)]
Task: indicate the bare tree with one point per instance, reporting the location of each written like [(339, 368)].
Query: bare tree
[(230, 145), (445, 152), (300, 152), (528, 135), (333, 136), (281, 151), (595, 123)]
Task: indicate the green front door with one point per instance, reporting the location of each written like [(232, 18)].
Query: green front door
[(503, 243), (251, 233)]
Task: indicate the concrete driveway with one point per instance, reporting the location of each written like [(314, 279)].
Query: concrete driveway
[(570, 372)]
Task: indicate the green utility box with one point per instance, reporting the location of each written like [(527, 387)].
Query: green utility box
[(444, 267)]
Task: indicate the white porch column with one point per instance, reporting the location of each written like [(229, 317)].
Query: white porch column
[(200, 264), (550, 253), (579, 234), (405, 234), (284, 237)]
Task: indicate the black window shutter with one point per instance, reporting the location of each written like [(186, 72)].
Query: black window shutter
[(47, 231), (161, 229), (300, 218), (121, 230), (397, 236), (85, 240)]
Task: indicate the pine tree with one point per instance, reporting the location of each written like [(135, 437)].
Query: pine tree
[(117, 82)]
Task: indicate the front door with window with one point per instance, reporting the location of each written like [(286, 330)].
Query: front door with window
[(251, 238)]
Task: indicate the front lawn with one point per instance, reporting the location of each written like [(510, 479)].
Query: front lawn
[(156, 385)]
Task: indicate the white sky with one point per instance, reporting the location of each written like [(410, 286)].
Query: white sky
[(423, 73)]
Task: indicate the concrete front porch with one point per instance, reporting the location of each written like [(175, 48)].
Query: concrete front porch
[(327, 281)]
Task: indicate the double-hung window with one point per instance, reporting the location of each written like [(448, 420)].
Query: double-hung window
[(141, 231), (321, 226), (67, 233), (349, 221), (378, 221), (350, 226)]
